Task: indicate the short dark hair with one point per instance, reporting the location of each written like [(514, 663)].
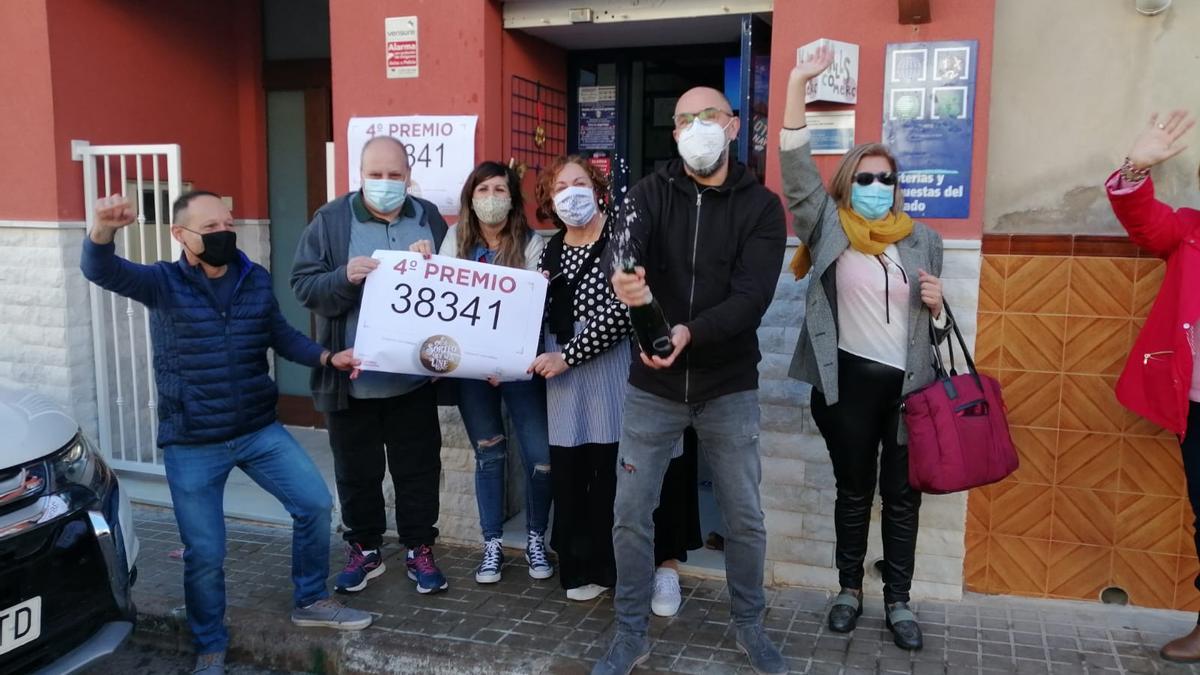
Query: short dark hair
[(182, 201)]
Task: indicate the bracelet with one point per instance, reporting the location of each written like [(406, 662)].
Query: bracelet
[(802, 126), (1131, 174)]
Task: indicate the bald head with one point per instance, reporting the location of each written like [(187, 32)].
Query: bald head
[(699, 98), (384, 157)]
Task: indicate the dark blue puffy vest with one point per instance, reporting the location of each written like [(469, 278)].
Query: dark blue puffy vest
[(210, 366)]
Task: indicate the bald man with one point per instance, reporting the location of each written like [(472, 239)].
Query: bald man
[(379, 420), (708, 239)]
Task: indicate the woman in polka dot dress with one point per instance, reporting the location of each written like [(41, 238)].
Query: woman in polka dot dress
[(586, 365)]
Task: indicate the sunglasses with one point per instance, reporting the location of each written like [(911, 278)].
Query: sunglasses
[(864, 178)]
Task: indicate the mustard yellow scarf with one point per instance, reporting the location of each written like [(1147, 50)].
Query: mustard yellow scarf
[(868, 236)]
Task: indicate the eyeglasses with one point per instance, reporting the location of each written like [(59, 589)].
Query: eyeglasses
[(684, 120), (865, 178)]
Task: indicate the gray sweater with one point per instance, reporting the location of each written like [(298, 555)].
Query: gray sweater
[(818, 226), (320, 283)]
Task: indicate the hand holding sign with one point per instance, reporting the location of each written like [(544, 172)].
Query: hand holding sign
[(449, 317), (358, 268)]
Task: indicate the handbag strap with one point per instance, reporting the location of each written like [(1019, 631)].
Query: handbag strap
[(939, 366)]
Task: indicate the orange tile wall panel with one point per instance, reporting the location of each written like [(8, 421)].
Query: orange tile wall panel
[(1099, 499)]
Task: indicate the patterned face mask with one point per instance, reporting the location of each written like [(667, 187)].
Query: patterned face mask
[(575, 205), (491, 209)]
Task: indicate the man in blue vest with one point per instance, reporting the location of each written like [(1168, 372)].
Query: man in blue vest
[(213, 317), (377, 421)]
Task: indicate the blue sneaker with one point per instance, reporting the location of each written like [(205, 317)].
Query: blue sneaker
[(423, 570), (490, 567), (361, 567), (535, 557)]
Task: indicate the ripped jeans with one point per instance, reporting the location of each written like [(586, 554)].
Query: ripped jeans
[(525, 401), (727, 428)]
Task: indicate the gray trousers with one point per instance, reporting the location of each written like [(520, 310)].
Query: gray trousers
[(727, 428)]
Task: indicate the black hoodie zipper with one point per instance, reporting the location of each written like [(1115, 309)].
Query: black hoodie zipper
[(687, 369)]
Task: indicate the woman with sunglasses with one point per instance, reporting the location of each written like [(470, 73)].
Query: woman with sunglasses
[(866, 343)]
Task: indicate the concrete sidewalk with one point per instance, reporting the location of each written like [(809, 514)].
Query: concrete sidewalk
[(526, 626)]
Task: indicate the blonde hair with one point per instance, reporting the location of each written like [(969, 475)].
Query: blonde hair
[(843, 178)]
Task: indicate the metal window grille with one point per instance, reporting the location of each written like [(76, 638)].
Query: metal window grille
[(539, 123)]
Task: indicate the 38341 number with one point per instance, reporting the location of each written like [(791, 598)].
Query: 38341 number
[(426, 304)]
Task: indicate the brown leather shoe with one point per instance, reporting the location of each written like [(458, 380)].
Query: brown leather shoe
[(1183, 650)]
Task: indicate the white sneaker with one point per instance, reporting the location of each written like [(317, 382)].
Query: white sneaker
[(667, 597), (585, 592)]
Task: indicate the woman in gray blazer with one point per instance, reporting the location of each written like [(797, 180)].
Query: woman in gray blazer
[(873, 290)]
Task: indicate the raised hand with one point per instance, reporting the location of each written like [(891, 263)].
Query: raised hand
[(1159, 141), (813, 64), (112, 213)]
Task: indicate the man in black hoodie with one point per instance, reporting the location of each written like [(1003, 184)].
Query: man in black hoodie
[(708, 239)]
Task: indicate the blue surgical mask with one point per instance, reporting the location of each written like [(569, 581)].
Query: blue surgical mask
[(872, 201), (384, 194)]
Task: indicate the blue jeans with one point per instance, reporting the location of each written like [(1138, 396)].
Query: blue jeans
[(479, 403), (727, 428), (196, 475)]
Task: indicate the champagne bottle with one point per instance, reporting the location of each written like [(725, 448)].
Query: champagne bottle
[(650, 324)]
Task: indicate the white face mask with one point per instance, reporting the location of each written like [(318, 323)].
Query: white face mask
[(702, 145), (575, 206), (492, 209)]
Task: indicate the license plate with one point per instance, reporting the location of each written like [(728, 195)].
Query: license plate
[(20, 624)]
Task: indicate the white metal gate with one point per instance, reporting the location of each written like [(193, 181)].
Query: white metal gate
[(149, 175)]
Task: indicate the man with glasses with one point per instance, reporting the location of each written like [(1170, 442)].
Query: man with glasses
[(708, 238)]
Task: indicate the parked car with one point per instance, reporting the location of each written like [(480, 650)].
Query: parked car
[(67, 545)]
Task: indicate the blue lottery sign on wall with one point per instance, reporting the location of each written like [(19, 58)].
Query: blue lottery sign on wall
[(929, 123)]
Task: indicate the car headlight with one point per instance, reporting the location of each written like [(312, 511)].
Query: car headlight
[(78, 467)]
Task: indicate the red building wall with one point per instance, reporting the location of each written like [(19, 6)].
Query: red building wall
[(28, 180), (172, 71), (459, 47), (872, 24)]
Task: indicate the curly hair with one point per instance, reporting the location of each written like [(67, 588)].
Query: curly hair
[(543, 194)]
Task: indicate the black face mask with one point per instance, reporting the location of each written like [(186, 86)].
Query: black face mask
[(220, 248)]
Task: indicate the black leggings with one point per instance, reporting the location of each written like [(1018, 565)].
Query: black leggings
[(867, 415), (584, 480), (1191, 466)]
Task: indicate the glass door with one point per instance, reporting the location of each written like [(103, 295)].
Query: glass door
[(754, 79)]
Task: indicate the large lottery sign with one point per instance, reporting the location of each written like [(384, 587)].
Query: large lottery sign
[(448, 317), (441, 152)]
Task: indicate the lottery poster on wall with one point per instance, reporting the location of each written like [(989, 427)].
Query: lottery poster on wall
[(929, 122), (448, 317), (441, 153), (597, 118)]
